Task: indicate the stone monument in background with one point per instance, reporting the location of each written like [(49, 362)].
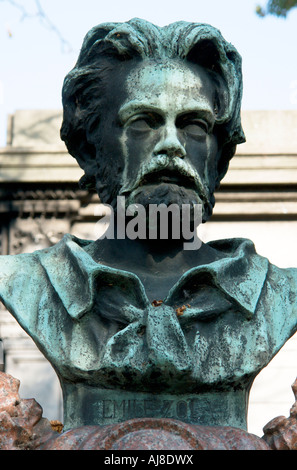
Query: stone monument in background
[(161, 336)]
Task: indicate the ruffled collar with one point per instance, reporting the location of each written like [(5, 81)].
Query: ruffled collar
[(239, 276)]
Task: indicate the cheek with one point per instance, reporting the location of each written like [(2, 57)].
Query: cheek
[(197, 153), (110, 159), (203, 156), (138, 147), (211, 167)]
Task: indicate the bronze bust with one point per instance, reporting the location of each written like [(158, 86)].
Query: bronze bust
[(140, 327)]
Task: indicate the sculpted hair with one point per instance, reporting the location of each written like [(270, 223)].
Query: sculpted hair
[(109, 46)]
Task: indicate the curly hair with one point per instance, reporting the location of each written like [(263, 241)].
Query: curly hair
[(110, 45)]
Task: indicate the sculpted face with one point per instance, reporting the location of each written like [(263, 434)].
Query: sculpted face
[(163, 133)]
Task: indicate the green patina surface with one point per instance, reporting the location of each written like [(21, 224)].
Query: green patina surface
[(109, 345), (136, 328)]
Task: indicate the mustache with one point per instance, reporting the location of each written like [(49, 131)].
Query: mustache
[(171, 170)]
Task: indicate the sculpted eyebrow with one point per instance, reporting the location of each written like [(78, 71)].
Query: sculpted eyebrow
[(131, 108), (198, 113), (202, 112)]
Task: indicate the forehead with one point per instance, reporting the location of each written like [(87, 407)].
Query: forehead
[(172, 85)]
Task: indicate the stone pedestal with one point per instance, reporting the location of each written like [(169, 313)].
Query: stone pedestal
[(22, 427)]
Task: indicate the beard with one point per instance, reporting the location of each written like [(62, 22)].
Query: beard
[(163, 193), (169, 181), (164, 181), (176, 218), (170, 193)]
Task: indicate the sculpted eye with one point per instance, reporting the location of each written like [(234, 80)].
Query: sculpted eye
[(140, 125), (144, 122), (195, 128)]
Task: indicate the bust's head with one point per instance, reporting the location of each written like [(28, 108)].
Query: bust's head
[(154, 113)]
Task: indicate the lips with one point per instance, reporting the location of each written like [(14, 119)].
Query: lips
[(169, 177)]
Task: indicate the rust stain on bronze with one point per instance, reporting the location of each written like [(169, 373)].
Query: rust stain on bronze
[(180, 310), (157, 303), (56, 425)]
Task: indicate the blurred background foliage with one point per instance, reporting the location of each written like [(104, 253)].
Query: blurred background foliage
[(276, 7)]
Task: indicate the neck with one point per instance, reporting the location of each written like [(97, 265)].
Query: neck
[(146, 254), (158, 263)]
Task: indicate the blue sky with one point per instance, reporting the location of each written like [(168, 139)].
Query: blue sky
[(33, 63)]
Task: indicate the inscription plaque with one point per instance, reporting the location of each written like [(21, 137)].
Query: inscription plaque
[(104, 407)]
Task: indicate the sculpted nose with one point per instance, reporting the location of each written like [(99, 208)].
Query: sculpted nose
[(169, 144)]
